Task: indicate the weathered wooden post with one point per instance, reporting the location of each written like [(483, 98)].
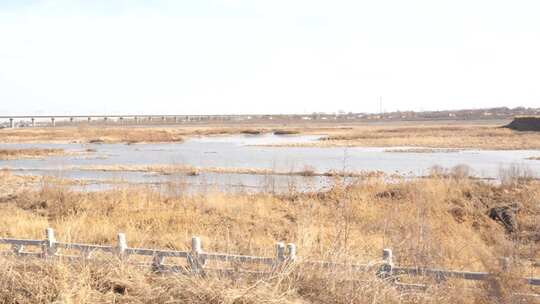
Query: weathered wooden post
[(385, 271), (121, 245), (53, 121), (194, 260), (32, 122), (49, 246)]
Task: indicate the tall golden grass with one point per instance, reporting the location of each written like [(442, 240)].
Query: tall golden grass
[(440, 221)]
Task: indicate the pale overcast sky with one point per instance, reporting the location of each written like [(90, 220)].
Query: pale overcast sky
[(279, 56)]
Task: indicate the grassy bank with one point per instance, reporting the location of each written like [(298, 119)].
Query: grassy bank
[(438, 222)]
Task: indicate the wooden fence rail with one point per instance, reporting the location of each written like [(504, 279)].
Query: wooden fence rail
[(197, 259)]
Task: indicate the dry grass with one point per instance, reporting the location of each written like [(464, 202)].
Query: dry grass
[(433, 136), (130, 135), (452, 135), (422, 150), (194, 171), (88, 134), (437, 221), (9, 154), (534, 158), (49, 282)]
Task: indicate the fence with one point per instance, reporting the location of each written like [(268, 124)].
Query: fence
[(196, 259)]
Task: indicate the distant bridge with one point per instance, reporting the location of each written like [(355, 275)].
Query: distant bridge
[(51, 120)]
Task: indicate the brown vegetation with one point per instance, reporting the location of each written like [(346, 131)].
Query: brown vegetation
[(88, 134), (422, 150), (189, 170), (286, 132), (9, 154), (442, 221), (462, 135), (431, 136)]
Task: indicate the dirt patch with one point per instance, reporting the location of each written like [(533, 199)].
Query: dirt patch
[(525, 124)]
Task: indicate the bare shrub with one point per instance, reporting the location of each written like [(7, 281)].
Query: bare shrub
[(515, 174), (437, 171), (461, 171), (308, 171)]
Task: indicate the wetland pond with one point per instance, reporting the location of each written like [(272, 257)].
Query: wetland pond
[(251, 152)]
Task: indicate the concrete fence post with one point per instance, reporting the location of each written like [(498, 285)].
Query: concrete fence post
[(157, 262), (385, 271), (280, 255), (291, 252), (49, 248), (53, 121), (194, 260), (17, 249), (121, 245), (33, 122), (11, 124), (505, 263)]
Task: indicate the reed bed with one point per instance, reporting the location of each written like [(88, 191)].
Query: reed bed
[(193, 170), (436, 136), (9, 154), (441, 221)]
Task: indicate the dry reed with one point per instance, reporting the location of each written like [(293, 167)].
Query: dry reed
[(439, 221)]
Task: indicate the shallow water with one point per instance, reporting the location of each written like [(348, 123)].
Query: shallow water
[(245, 151)]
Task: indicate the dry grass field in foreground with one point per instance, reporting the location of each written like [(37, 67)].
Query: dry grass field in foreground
[(487, 135), (442, 221)]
